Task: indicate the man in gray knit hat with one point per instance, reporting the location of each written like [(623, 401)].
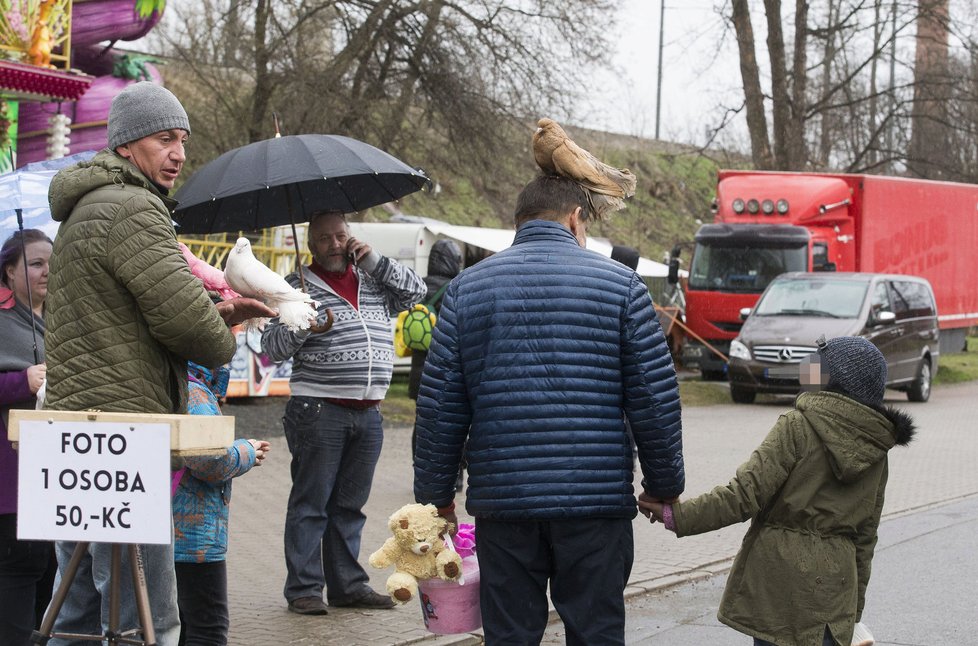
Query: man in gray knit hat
[(124, 315)]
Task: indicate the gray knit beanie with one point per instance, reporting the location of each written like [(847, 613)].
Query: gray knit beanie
[(855, 368), (143, 109)]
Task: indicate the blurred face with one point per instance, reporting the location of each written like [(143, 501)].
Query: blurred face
[(158, 156), (810, 374), (38, 255), (328, 238)]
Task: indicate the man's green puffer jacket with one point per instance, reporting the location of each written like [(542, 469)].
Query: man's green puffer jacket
[(123, 311)]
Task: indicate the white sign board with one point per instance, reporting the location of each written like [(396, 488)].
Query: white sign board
[(102, 482)]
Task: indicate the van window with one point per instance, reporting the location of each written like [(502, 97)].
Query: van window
[(881, 300), (813, 297), (911, 300)]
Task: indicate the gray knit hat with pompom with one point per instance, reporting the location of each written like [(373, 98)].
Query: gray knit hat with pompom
[(855, 368), (143, 109)]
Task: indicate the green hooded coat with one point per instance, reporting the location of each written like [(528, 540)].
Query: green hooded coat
[(123, 311), (814, 489)]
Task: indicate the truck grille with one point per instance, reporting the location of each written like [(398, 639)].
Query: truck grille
[(782, 353)]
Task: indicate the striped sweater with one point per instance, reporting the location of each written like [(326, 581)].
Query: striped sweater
[(355, 358)]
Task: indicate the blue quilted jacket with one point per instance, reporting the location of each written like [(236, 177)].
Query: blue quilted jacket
[(539, 355)]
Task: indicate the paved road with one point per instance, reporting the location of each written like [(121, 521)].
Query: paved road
[(921, 592), (939, 467)]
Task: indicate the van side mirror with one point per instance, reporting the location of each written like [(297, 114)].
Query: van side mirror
[(884, 317), (744, 313)]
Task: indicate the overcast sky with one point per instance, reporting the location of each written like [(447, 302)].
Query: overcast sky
[(699, 72)]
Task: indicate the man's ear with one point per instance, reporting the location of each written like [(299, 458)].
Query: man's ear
[(576, 226), (124, 151)]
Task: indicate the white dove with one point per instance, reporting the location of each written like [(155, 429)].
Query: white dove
[(249, 277)]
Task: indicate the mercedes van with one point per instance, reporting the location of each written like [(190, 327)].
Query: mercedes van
[(896, 312)]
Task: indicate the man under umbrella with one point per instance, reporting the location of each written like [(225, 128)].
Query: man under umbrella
[(332, 421), (124, 315)]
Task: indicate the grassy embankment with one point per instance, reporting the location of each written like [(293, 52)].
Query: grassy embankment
[(954, 368)]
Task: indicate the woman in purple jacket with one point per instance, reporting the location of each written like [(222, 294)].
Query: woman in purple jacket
[(26, 567)]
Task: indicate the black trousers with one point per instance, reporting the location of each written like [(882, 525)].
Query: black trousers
[(27, 570), (202, 595), (586, 563)]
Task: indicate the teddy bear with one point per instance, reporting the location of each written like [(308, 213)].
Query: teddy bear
[(416, 550)]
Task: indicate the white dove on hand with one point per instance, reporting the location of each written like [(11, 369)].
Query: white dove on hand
[(249, 277)]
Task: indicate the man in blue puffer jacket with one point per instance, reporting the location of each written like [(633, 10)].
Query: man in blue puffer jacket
[(540, 354)]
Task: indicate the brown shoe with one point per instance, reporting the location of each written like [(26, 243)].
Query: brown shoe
[(372, 600), (308, 606)]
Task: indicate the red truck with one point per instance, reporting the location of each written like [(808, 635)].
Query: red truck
[(769, 223)]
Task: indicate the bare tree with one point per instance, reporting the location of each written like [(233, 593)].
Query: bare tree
[(456, 83), (760, 143), (830, 103)]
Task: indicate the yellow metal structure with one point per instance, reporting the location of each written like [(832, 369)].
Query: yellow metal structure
[(214, 248)]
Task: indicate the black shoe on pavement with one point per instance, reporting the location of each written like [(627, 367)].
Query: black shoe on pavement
[(370, 600), (308, 606)]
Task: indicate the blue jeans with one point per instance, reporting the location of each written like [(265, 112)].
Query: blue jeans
[(86, 608), (334, 453)]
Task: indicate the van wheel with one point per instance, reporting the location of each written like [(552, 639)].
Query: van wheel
[(920, 388), (742, 395)]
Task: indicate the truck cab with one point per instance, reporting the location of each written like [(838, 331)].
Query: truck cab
[(766, 224)]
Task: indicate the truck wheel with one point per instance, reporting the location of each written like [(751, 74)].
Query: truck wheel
[(742, 395), (920, 388)]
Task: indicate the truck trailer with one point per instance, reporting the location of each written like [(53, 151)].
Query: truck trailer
[(767, 223)]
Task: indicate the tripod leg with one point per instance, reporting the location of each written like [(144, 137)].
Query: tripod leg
[(114, 573), (43, 634), (142, 596)]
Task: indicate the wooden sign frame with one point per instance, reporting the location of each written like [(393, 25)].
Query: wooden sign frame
[(189, 434)]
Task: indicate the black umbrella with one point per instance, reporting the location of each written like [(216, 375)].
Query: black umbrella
[(286, 179)]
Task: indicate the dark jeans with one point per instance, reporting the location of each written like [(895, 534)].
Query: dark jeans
[(202, 594), (27, 570), (334, 453), (826, 640), (586, 562)]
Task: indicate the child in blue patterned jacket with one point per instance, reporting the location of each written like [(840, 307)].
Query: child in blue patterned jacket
[(200, 518)]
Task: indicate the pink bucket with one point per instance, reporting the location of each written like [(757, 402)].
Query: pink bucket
[(449, 608)]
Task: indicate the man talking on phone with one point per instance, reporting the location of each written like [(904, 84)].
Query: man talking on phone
[(332, 420)]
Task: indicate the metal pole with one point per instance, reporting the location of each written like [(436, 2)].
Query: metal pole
[(892, 112), (27, 277), (658, 80)]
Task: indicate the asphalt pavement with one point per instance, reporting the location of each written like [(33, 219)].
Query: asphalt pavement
[(922, 590)]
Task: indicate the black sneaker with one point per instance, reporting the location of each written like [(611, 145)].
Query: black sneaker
[(308, 606)]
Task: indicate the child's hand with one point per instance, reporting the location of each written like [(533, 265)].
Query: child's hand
[(651, 507), (261, 449)]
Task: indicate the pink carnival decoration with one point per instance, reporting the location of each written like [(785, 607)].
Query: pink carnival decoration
[(93, 22)]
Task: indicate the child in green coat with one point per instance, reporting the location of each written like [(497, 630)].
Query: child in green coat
[(814, 491)]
